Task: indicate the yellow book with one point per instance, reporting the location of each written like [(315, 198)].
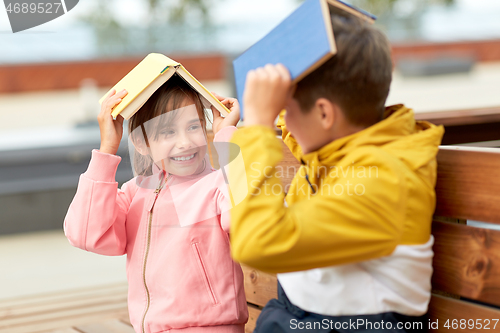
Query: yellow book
[(149, 75)]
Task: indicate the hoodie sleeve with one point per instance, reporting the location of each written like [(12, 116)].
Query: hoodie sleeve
[(223, 198), (224, 207), (95, 220), (225, 134), (331, 227)]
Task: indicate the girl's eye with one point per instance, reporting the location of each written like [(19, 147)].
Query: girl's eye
[(167, 132), (194, 127)]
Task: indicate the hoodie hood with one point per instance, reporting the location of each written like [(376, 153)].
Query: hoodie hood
[(396, 134)]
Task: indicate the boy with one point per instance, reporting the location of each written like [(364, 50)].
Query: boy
[(353, 244)]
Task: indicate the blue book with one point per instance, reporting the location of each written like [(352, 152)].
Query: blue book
[(302, 42)]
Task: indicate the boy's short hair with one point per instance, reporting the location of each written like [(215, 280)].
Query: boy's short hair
[(357, 78)]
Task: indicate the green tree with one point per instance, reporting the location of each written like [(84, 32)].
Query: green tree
[(400, 19), (176, 16)]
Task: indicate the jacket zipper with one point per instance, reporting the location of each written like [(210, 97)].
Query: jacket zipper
[(307, 178), (157, 192)]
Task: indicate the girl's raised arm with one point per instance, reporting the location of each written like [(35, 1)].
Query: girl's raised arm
[(95, 220)]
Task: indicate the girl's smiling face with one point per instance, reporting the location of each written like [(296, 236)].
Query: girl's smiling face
[(177, 143)]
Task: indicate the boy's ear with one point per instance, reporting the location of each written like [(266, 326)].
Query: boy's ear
[(327, 111)]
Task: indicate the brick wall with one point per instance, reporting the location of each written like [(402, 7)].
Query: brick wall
[(68, 75), (482, 51)]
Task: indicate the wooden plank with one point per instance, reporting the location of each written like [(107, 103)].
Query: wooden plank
[(443, 309), (66, 318), (63, 322), (63, 330), (461, 117), (260, 287), (468, 183), (462, 134), (55, 297), (253, 314), (126, 319), (38, 308), (110, 326), (289, 167), (467, 261)]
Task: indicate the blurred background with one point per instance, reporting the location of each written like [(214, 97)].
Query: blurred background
[(447, 67)]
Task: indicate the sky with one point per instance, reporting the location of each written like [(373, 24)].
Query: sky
[(240, 22)]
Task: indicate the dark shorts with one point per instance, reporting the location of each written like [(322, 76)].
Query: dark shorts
[(280, 316)]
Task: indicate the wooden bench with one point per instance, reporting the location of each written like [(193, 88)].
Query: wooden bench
[(466, 262), (66, 311), (467, 259), (464, 126)]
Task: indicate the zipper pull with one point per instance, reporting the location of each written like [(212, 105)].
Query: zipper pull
[(157, 193), (310, 185)]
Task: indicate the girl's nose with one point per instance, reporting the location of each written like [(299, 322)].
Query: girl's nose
[(183, 141)]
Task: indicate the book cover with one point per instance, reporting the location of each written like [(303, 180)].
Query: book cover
[(302, 42), (145, 78)]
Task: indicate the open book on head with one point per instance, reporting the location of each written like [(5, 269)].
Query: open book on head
[(149, 75), (302, 42)]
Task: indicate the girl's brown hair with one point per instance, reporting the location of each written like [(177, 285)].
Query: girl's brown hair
[(166, 100)]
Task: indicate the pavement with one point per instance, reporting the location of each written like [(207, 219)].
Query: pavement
[(476, 89)]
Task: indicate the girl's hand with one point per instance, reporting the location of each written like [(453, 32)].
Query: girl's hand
[(232, 118), (111, 130), (267, 90)]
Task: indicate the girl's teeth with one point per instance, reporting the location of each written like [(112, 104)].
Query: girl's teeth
[(183, 158)]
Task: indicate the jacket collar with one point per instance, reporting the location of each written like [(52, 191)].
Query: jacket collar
[(397, 132)]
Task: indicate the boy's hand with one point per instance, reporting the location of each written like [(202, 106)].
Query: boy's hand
[(111, 130), (266, 92), (232, 118)]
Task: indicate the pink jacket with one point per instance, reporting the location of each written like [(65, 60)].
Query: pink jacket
[(179, 267)]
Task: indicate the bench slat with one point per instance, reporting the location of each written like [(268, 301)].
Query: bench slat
[(468, 184), (289, 165), (260, 287), (7, 313), (69, 317), (253, 314), (56, 297), (467, 261), (110, 326), (125, 319), (444, 308)]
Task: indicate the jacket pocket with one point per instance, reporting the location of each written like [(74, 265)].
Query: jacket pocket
[(204, 274)]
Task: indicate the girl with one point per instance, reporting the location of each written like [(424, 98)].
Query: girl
[(170, 220)]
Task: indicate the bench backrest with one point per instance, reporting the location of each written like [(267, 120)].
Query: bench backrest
[(467, 259)]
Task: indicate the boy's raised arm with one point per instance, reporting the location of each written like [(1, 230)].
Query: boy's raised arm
[(329, 228), (324, 230)]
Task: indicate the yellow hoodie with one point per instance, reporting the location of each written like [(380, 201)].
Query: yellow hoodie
[(373, 191)]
